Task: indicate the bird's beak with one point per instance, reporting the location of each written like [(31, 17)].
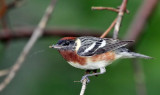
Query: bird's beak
[(55, 46)]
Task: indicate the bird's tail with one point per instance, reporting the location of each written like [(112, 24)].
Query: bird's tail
[(138, 55), (134, 55)]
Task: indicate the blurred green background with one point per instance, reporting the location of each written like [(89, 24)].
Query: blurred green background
[(45, 72)]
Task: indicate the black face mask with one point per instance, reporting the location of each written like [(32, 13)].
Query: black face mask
[(65, 45)]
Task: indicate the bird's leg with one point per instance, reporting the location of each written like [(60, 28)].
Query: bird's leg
[(102, 71), (87, 72), (95, 71)]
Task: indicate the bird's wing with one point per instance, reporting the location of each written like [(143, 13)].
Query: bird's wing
[(92, 46)]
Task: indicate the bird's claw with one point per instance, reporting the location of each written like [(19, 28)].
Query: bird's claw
[(85, 78)]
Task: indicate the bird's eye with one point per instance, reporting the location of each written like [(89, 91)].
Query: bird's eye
[(66, 43)]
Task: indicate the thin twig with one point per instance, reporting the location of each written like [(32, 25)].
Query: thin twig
[(108, 8), (84, 83), (119, 19), (109, 29), (105, 8), (36, 34)]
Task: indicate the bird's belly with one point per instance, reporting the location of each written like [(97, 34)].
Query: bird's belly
[(90, 64), (93, 62)]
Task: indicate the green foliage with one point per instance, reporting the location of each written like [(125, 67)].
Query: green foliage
[(45, 72)]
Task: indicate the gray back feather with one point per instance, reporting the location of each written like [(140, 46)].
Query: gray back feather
[(93, 45)]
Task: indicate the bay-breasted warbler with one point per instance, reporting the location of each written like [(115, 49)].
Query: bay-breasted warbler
[(92, 53)]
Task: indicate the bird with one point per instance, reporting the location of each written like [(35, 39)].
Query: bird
[(93, 53)]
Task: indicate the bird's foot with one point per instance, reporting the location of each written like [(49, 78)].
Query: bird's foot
[(85, 78)]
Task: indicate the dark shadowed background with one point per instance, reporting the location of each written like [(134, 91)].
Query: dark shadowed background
[(45, 72)]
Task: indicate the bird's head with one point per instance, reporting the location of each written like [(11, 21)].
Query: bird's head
[(66, 43)]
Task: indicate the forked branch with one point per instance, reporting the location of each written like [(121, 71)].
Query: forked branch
[(119, 19)]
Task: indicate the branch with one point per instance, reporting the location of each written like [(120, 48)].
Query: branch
[(140, 19), (134, 33), (84, 83), (105, 8), (119, 19), (27, 32), (108, 8), (36, 34)]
